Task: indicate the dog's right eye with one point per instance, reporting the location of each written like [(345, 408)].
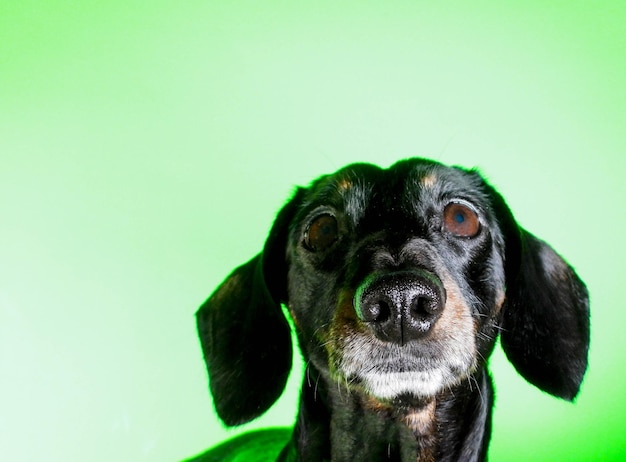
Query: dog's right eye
[(461, 220), (321, 233)]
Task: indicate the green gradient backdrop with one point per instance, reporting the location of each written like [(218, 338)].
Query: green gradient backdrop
[(146, 146)]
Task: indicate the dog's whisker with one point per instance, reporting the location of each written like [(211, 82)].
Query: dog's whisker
[(478, 388), (317, 331), (307, 374), (315, 389), (499, 327), (481, 356)]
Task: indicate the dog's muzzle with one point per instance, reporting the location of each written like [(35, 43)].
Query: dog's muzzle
[(400, 306)]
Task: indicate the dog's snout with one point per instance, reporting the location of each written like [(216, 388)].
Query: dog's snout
[(400, 306)]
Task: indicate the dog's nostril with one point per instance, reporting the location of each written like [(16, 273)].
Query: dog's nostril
[(424, 306), (420, 307), (376, 310), (380, 311)]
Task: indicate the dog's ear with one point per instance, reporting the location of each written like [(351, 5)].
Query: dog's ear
[(244, 335), (545, 320)]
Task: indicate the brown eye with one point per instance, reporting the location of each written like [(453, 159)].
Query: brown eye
[(461, 220), (322, 233)]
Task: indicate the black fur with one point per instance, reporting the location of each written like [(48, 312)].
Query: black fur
[(405, 379)]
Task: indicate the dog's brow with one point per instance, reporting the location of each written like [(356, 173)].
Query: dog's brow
[(418, 182), (355, 194), (429, 180), (344, 184)]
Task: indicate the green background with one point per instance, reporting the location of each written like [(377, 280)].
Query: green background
[(146, 146)]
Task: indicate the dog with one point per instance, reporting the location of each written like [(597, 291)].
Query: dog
[(398, 282)]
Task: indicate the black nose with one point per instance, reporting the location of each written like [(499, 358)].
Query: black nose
[(400, 306)]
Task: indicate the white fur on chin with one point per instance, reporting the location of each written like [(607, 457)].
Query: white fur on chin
[(421, 384)]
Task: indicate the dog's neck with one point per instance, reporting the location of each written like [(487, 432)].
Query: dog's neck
[(339, 426)]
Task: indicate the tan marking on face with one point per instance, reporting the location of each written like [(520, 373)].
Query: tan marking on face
[(500, 299), (344, 184), (455, 303), (456, 319), (345, 304), (429, 180), (343, 326)]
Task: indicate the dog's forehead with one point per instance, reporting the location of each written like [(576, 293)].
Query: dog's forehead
[(359, 187)]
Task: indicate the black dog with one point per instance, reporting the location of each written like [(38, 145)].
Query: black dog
[(398, 281)]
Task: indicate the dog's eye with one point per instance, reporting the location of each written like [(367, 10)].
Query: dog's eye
[(321, 233), (461, 220)]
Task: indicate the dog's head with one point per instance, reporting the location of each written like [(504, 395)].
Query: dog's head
[(398, 282)]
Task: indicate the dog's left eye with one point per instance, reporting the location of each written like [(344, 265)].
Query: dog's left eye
[(460, 220), (321, 233)]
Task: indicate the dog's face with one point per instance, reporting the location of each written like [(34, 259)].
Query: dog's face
[(398, 281), (396, 277)]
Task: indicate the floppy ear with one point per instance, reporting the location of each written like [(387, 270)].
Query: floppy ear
[(245, 337), (545, 322)]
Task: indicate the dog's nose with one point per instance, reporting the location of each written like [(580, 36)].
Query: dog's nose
[(400, 306)]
